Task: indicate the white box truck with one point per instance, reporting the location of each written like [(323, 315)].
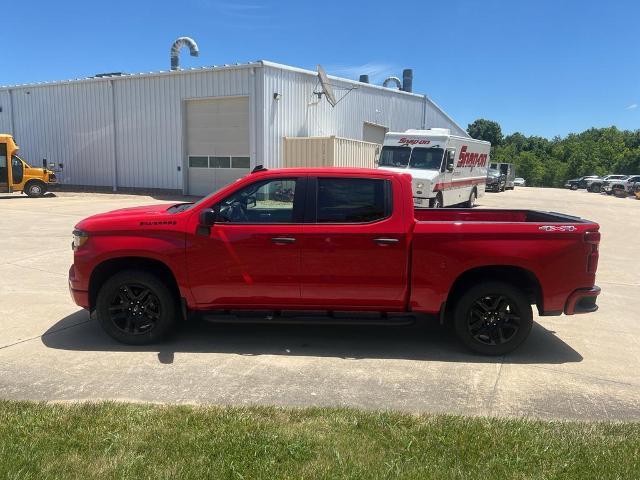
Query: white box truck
[(446, 169)]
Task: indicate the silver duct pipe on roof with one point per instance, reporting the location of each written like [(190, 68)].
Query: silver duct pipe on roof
[(175, 50), (395, 80)]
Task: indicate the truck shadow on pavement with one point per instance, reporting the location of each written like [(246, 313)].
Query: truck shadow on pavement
[(429, 342)]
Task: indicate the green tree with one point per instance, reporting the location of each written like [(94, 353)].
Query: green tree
[(487, 130)]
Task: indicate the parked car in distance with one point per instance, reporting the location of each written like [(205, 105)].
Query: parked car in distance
[(346, 247), (594, 185), (621, 187), (519, 182), (580, 182), (496, 181)]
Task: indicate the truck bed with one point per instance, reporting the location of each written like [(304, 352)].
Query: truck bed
[(492, 216)]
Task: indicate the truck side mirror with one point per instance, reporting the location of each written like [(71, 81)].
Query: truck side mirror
[(451, 158), (208, 217)]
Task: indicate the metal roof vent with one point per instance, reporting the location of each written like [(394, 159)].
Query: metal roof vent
[(175, 50)]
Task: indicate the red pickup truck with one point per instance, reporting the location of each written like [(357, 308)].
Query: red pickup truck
[(332, 245)]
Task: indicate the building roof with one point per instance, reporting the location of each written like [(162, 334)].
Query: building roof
[(105, 77)]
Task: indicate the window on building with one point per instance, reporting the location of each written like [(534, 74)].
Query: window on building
[(240, 162), (198, 162), (219, 162)]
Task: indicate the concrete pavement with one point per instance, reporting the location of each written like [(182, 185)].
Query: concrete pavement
[(581, 367)]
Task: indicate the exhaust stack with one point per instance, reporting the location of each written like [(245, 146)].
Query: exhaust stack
[(175, 50), (407, 80)]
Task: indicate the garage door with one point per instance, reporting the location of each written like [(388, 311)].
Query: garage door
[(217, 143), (373, 133)]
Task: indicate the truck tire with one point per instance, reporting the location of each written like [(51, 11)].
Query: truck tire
[(437, 201), (472, 199), (493, 318), (596, 188), (35, 189), (574, 186), (136, 307)]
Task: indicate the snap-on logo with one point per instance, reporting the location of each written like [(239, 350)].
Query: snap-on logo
[(557, 228), (468, 159), (413, 141)]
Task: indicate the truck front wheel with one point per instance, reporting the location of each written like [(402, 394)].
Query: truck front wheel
[(136, 308), (437, 201), (493, 318), (35, 189)]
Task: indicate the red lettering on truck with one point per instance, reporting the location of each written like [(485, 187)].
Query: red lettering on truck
[(471, 159), (413, 141)]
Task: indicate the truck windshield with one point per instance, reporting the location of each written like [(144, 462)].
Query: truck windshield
[(397, 157), (419, 158), (426, 158)]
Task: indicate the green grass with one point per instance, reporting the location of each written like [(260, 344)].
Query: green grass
[(113, 440)]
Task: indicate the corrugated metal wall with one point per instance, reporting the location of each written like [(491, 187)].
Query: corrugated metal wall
[(329, 152), (67, 123), (72, 123), (299, 112)]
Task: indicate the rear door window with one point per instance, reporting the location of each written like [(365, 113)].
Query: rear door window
[(352, 200)]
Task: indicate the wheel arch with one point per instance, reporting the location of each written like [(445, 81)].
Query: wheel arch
[(520, 277), (34, 180), (106, 269)]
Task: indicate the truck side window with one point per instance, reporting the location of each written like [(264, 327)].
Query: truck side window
[(268, 201), (353, 200)]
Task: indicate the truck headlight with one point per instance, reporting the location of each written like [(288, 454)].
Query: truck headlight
[(79, 239), (419, 185)]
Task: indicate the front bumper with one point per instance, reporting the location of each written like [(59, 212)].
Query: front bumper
[(80, 297), (582, 300)]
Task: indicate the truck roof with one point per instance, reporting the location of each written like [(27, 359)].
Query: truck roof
[(441, 133), (338, 171)]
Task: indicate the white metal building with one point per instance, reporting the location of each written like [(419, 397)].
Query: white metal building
[(195, 130)]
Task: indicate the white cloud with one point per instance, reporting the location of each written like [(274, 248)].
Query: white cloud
[(633, 106)]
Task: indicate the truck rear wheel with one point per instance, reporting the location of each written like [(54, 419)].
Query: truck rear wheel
[(472, 199), (136, 308), (493, 318)]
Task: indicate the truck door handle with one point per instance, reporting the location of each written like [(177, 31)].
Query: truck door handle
[(283, 240), (385, 241)]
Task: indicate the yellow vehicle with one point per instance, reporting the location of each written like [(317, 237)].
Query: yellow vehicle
[(16, 175)]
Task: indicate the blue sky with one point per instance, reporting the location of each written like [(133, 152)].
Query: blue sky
[(540, 67)]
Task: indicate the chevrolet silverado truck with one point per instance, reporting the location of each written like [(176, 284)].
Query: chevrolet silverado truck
[(341, 246)]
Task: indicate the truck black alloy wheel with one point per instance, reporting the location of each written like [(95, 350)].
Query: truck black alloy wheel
[(493, 318), (135, 307)]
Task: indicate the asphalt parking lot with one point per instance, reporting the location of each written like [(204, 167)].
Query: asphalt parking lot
[(580, 367)]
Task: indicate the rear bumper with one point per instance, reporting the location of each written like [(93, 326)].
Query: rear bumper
[(582, 300)]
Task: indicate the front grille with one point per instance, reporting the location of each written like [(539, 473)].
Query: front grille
[(52, 177)]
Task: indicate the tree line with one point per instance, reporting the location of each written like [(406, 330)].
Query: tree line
[(549, 163)]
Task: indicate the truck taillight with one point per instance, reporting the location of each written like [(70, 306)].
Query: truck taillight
[(592, 239)]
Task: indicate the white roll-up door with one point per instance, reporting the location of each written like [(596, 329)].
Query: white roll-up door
[(217, 143)]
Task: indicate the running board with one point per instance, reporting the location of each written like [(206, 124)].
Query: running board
[(315, 317)]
